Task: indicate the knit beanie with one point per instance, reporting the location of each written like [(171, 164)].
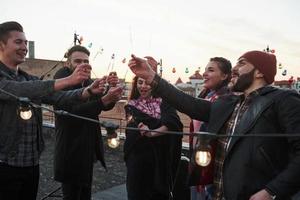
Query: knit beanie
[(264, 62)]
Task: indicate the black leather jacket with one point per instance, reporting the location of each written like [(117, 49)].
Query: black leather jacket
[(253, 163)]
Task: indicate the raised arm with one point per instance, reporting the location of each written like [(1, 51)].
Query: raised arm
[(35, 88), (194, 107)]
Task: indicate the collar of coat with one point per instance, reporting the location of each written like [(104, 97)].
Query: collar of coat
[(222, 109)]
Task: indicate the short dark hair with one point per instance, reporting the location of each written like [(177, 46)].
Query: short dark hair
[(77, 48), (7, 27)]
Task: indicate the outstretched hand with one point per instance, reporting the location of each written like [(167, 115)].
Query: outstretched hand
[(112, 79), (143, 67), (98, 86), (81, 73), (113, 95)]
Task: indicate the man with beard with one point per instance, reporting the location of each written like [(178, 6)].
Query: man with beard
[(257, 166), (79, 142)]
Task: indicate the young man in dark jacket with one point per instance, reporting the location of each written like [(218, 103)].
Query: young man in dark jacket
[(21, 142), (255, 168), (79, 142)]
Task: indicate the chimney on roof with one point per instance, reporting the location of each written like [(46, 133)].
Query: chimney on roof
[(31, 49)]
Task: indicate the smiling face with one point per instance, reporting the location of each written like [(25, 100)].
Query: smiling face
[(143, 88), (14, 50), (213, 76), (77, 58)]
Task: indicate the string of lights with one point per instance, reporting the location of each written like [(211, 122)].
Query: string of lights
[(271, 135), (202, 154), (25, 105)]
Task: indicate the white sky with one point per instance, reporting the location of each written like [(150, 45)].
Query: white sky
[(184, 33)]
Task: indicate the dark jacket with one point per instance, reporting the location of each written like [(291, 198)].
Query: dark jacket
[(203, 175), (252, 163), (37, 91), (78, 142), (152, 161)]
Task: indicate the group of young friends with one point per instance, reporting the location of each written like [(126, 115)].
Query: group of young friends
[(235, 101)]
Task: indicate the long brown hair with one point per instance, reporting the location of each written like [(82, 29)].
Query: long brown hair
[(134, 93)]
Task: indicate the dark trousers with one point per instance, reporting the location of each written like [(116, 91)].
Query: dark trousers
[(76, 192), (140, 177), (18, 183)]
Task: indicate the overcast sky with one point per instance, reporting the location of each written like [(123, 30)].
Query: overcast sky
[(184, 33)]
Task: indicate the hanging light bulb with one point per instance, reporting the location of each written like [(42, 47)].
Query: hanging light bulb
[(174, 70), (186, 70), (24, 108), (113, 142), (203, 158), (80, 40), (284, 72), (25, 114)]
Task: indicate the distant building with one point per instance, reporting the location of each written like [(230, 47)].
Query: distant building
[(178, 81), (31, 49), (291, 83), (45, 69), (194, 86), (296, 84), (282, 84), (196, 78), (186, 88)]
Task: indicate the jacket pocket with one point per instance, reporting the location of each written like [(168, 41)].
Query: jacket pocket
[(268, 160)]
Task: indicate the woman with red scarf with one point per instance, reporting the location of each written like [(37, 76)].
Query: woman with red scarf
[(151, 158), (216, 78)]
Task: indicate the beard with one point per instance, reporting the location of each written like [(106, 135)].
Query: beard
[(243, 82)]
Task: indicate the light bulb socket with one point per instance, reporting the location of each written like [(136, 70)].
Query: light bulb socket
[(203, 143), (109, 127)]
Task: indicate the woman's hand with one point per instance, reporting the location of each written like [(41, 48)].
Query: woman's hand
[(145, 131)]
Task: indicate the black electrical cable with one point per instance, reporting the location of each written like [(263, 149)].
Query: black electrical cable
[(110, 125)]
